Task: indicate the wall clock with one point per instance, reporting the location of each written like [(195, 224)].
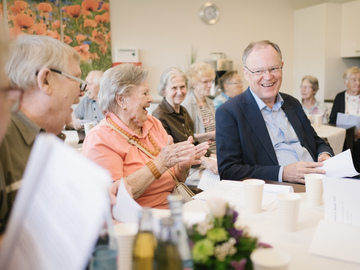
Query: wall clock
[(209, 13)]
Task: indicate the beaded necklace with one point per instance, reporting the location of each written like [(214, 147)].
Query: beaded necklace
[(154, 153)]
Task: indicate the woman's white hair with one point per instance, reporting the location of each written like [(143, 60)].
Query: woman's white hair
[(118, 80), (166, 76), (198, 70), (34, 52)]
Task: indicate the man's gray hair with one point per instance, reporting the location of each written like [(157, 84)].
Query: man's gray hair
[(118, 80), (259, 44), (34, 52), (166, 76)]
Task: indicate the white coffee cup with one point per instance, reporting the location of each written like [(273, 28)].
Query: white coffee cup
[(270, 259), (288, 210), (87, 127), (314, 189), (317, 119), (125, 233), (253, 193)]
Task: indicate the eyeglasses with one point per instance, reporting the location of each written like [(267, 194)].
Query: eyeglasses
[(14, 95), (354, 80), (207, 82), (305, 87), (234, 83), (259, 72), (83, 83)]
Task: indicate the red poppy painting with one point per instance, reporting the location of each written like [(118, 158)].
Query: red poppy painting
[(83, 24)]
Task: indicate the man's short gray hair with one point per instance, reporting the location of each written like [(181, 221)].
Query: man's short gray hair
[(166, 76), (34, 52), (118, 80), (259, 44)]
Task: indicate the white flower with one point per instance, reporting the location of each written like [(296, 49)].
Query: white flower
[(204, 226), (225, 249), (217, 207)]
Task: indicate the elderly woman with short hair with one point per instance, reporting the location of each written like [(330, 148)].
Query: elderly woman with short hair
[(124, 97), (311, 106), (174, 117), (230, 85), (348, 102), (201, 77)]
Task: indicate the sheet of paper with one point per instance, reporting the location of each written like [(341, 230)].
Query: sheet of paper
[(232, 192), (59, 210), (208, 180), (336, 241), (348, 120), (342, 200), (340, 165), (126, 208)]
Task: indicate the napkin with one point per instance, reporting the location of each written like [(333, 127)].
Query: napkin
[(126, 208)]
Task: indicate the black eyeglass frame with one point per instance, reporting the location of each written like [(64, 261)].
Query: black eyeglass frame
[(83, 84)]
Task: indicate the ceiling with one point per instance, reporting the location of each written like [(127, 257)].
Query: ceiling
[(306, 3)]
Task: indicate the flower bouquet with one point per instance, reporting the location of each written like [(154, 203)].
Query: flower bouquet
[(219, 242)]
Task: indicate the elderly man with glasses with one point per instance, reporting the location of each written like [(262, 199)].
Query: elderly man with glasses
[(44, 76), (265, 134), (88, 109)]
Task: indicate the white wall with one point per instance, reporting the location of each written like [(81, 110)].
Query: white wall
[(165, 30), (317, 48)]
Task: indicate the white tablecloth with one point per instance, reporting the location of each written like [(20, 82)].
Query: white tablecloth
[(334, 135), (265, 227), (72, 138)]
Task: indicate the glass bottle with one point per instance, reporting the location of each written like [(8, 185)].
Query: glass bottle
[(106, 250), (176, 204), (167, 255), (144, 243)]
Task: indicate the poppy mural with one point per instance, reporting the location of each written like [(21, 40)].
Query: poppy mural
[(83, 24)]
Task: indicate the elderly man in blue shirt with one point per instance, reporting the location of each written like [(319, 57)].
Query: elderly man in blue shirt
[(88, 108), (265, 134)]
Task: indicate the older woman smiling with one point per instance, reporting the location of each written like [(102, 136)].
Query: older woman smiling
[(201, 77), (174, 117), (124, 97)]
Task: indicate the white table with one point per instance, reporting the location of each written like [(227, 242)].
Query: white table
[(334, 135), (265, 227)]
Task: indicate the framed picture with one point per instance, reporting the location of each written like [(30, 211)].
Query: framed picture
[(83, 24)]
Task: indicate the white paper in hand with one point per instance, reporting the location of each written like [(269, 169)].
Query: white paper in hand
[(208, 180), (340, 165), (126, 208), (348, 120)]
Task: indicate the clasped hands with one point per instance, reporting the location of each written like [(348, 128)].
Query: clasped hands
[(185, 154)]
